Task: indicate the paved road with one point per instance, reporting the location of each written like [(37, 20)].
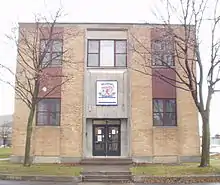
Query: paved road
[(32, 183), (53, 183)]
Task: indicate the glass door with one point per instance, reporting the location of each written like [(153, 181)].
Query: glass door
[(106, 140)]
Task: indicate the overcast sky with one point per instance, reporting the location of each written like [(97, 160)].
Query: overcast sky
[(13, 11)]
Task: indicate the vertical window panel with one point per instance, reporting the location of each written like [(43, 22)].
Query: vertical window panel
[(158, 119), (57, 46), (170, 106), (93, 46), (93, 60), (120, 60), (157, 59), (121, 47), (158, 105), (107, 53)]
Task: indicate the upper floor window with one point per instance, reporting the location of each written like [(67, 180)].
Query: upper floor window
[(162, 53), (164, 112), (51, 52), (48, 112), (107, 53)]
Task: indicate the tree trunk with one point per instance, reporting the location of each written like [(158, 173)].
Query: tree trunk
[(4, 141), (27, 161), (205, 158)]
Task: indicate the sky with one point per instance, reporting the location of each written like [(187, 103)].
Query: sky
[(14, 11)]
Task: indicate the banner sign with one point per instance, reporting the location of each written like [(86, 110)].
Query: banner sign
[(107, 92)]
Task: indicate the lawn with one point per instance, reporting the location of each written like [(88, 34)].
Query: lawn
[(177, 170), (5, 152), (39, 169)]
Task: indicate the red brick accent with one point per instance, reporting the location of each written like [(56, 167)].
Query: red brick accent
[(54, 33), (160, 88), (51, 78)]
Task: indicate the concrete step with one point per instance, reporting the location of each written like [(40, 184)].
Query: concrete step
[(106, 161), (108, 180), (106, 176), (106, 173)]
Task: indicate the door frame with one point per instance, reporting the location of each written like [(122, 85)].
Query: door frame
[(119, 140), (106, 125)]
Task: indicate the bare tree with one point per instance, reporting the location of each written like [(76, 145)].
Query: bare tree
[(185, 48), (34, 57), (5, 132)]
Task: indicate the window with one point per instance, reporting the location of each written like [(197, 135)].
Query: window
[(48, 112), (164, 112), (51, 53), (93, 53), (120, 53), (162, 53), (107, 53)]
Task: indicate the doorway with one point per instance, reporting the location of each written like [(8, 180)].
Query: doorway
[(106, 139)]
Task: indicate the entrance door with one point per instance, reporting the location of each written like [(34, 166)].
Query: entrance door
[(106, 140)]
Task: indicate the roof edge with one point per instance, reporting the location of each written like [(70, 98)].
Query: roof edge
[(105, 23)]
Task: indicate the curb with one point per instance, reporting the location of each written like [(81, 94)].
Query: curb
[(135, 178), (41, 178), (176, 179)]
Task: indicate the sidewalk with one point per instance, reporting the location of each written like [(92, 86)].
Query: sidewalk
[(4, 159), (43, 178)]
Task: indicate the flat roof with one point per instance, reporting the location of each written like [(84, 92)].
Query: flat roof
[(106, 23)]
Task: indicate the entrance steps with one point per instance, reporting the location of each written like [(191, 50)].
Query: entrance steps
[(107, 176), (106, 170), (106, 161)]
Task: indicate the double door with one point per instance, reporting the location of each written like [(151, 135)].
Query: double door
[(106, 140)]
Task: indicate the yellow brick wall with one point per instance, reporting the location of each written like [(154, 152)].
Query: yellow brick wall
[(165, 141), (141, 96), (189, 142), (147, 140), (21, 110), (72, 93), (64, 140), (46, 141)]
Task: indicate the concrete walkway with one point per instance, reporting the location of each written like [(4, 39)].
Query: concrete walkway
[(4, 159)]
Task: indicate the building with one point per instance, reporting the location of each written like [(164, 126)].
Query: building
[(108, 109), (5, 130)]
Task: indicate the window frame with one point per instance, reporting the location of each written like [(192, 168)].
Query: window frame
[(51, 52), (162, 52), (119, 53), (115, 53), (93, 53), (164, 100), (48, 112)]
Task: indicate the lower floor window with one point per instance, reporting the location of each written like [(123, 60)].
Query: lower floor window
[(164, 112), (48, 112)]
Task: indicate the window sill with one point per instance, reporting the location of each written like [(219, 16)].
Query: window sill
[(45, 126), (174, 126), (106, 67), (163, 67)]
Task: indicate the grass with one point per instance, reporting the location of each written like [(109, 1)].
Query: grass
[(177, 170), (39, 169), (5, 152)]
